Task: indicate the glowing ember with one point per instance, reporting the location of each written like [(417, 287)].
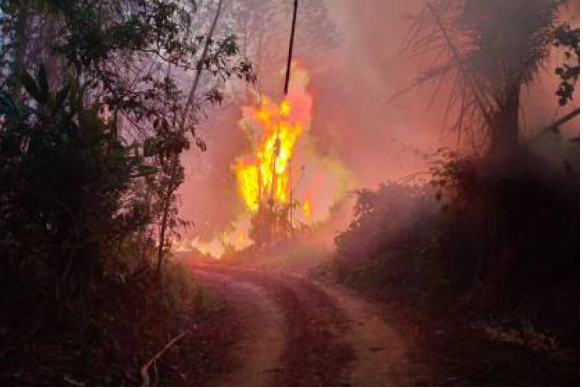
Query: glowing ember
[(306, 208)]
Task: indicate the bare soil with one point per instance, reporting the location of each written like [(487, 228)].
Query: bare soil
[(270, 328), (281, 329)]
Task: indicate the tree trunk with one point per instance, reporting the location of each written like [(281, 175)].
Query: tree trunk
[(172, 186), (199, 65), (505, 132), (167, 200), (162, 237), (21, 46)]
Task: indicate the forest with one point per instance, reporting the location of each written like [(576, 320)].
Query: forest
[(290, 193)]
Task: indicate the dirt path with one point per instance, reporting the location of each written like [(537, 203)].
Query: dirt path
[(257, 351), (297, 332)]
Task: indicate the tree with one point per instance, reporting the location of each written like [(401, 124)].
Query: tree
[(568, 39), (64, 177), (270, 224), (90, 149), (487, 51)]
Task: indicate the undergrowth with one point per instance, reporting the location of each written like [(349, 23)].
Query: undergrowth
[(478, 241), (111, 337)]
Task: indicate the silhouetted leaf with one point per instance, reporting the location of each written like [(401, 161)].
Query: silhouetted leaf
[(30, 86), (43, 84)]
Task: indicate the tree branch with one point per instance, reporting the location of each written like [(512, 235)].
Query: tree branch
[(554, 127), (144, 369), (199, 66)]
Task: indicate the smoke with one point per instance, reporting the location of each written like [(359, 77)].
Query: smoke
[(356, 64)]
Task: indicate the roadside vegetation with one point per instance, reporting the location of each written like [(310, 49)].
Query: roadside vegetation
[(99, 101), (483, 248), (94, 119)]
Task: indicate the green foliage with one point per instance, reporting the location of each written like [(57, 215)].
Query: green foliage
[(64, 176), (489, 240), (567, 38), (393, 243), (483, 53), (123, 50), (380, 215), (90, 142)]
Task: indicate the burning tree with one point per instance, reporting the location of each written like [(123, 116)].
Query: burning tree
[(264, 175), (282, 180)]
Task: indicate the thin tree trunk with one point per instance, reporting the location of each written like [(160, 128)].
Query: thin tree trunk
[(174, 170), (199, 66), (162, 237), (165, 212), (21, 45)]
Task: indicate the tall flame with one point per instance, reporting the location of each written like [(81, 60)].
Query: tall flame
[(273, 130), (279, 141)]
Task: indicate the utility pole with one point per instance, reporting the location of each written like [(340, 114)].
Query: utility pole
[(277, 146), (285, 90), (291, 47)]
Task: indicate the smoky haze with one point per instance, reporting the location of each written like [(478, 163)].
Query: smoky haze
[(356, 63)]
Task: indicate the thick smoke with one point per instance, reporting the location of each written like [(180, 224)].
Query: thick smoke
[(356, 63)]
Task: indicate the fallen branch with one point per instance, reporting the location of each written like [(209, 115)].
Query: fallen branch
[(73, 382), (144, 369)]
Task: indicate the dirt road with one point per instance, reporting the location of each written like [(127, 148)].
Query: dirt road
[(293, 331)]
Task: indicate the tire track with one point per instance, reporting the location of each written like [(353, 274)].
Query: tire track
[(257, 354), (300, 333)]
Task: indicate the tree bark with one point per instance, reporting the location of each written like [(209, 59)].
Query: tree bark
[(199, 66), (505, 131), (167, 200), (21, 45), (174, 170)]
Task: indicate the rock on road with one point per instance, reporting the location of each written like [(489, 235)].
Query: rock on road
[(295, 331)]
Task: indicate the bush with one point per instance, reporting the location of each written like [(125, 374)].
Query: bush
[(495, 242), (61, 209)]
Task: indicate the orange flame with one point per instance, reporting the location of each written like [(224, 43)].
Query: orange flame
[(279, 137), (306, 208), (273, 130)]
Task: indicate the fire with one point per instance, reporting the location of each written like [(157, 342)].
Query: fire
[(283, 166), (273, 130), (306, 208)]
